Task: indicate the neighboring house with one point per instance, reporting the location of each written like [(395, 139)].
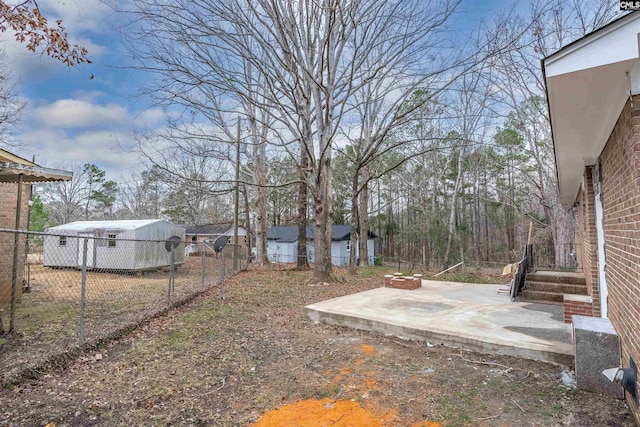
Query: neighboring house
[(115, 245), (196, 234), (16, 175), (282, 244), (593, 88)]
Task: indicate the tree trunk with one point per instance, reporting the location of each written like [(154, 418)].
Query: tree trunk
[(363, 219), (302, 211), (323, 268), (247, 220), (353, 262), (262, 197), (452, 211)]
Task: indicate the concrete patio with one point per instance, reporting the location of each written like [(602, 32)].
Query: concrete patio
[(461, 315)]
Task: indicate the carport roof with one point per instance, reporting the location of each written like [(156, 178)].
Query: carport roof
[(11, 172), (13, 166)]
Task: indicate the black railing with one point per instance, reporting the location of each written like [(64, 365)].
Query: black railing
[(520, 277)]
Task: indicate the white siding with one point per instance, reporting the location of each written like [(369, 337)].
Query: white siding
[(339, 253), (125, 255), (55, 255), (285, 252), (288, 252)]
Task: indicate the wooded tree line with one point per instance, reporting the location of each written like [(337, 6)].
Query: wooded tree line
[(376, 114)]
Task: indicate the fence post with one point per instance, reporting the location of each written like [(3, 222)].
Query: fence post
[(235, 256), (222, 275), (14, 280), (203, 264), (171, 271), (83, 291)]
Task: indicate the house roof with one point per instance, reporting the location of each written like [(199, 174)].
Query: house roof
[(588, 83), (87, 226), (289, 233), (6, 156), (208, 229)]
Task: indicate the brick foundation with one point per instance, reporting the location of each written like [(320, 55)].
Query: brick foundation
[(581, 305), (398, 281)]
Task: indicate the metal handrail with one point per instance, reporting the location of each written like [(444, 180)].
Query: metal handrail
[(520, 276)]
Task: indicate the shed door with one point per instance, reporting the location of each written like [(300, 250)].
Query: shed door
[(90, 250)]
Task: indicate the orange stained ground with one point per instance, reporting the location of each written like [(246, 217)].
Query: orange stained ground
[(367, 349), (321, 413), (338, 413)]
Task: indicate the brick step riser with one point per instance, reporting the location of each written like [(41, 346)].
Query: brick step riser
[(557, 279), (562, 288), (543, 296)]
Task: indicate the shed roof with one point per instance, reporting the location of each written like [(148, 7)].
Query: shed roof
[(289, 233), (102, 225)]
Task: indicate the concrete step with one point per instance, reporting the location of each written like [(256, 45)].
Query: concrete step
[(557, 277), (529, 294), (563, 288)]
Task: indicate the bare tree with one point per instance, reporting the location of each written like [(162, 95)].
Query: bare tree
[(312, 57), (11, 105), (552, 26), (65, 200)]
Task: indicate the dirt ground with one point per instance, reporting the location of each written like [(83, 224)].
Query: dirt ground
[(253, 360)]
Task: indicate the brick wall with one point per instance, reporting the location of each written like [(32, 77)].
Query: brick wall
[(587, 240), (8, 200), (620, 170), (581, 305)]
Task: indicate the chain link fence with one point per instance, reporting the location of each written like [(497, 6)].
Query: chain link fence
[(61, 293)]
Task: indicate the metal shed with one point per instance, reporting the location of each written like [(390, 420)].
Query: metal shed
[(115, 245)]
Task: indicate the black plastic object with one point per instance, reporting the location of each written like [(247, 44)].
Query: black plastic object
[(630, 380), (172, 242), (219, 244)]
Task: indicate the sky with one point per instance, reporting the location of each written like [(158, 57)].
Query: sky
[(86, 114)]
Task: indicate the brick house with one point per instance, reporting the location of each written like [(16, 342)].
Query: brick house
[(16, 174), (593, 92), (208, 233)]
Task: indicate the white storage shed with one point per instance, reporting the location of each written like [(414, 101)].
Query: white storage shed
[(282, 244), (115, 245)]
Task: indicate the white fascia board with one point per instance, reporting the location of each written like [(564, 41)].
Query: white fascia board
[(616, 43)]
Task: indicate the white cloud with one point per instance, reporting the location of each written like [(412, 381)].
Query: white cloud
[(150, 118), (83, 15), (103, 148), (74, 113)]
